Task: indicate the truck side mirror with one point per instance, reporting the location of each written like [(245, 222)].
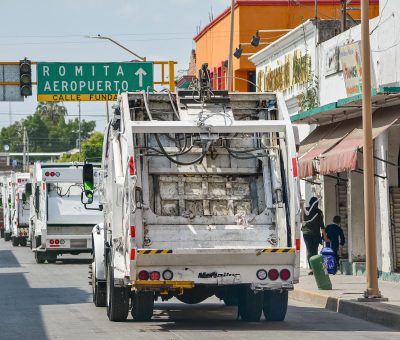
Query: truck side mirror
[(28, 189), (87, 174)]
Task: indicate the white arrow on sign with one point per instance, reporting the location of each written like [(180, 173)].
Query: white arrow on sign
[(140, 73)]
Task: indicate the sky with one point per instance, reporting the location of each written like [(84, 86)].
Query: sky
[(57, 30)]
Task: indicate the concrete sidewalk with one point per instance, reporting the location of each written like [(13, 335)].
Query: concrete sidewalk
[(346, 289)]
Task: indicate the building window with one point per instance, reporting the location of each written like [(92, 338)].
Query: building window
[(251, 77), (219, 80)]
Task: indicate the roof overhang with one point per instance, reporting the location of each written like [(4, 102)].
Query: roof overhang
[(347, 108)]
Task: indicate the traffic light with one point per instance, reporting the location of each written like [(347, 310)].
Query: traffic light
[(25, 77)]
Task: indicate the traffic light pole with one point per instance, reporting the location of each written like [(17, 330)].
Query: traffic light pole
[(372, 290), (79, 128)]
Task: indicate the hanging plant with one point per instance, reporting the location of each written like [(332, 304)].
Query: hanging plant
[(309, 99)]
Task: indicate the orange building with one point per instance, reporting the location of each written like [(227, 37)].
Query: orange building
[(212, 43)]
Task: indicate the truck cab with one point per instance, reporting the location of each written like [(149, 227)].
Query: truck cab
[(59, 223)]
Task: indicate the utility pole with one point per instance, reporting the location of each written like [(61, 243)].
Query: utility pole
[(24, 150), (369, 192), (79, 128), (230, 58), (9, 114), (108, 112), (316, 9), (344, 15)]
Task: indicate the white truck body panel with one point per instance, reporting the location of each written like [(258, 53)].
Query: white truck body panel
[(8, 200), (21, 210), (216, 221), (59, 222)]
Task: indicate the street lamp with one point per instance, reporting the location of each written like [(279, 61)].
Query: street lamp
[(255, 41), (118, 44), (239, 50)]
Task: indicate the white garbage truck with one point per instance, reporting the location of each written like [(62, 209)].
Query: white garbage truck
[(8, 198), (200, 196), (20, 209), (59, 223)]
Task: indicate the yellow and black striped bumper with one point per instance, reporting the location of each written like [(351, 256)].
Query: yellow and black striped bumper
[(276, 250), (154, 251)]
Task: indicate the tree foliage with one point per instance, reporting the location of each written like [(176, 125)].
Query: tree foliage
[(91, 150), (47, 129)]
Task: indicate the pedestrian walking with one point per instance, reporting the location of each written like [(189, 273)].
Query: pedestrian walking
[(335, 235), (313, 225)]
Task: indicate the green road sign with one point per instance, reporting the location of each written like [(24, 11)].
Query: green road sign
[(91, 81)]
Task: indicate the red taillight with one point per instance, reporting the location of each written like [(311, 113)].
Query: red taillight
[(51, 241), (285, 274), (298, 244), (47, 173), (155, 276), (52, 174), (57, 241), (273, 274), (19, 180), (131, 166), (133, 231), (143, 275), (133, 254), (294, 165)]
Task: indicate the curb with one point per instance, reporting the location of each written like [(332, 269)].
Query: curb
[(376, 312)]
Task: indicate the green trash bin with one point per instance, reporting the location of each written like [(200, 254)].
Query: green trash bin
[(320, 273)]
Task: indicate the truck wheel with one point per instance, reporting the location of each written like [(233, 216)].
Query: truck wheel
[(230, 300), (275, 305), (7, 236), (2, 233), (15, 241), (51, 257), (99, 294), (117, 298), (40, 257), (22, 241), (142, 306), (99, 289), (250, 304)]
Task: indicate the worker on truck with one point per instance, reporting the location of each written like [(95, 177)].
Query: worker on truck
[(313, 226)]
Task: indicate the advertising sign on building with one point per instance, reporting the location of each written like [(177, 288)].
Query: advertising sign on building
[(91, 81), (332, 65), (350, 59)]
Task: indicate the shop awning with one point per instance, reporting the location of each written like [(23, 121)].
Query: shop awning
[(322, 139), (343, 156)]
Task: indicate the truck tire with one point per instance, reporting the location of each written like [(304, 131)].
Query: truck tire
[(230, 300), (7, 236), (99, 294), (40, 257), (275, 305), (23, 241), (2, 233), (142, 306), (15, 241), (117, 298), (250, 304)]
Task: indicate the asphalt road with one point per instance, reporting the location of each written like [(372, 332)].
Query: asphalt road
[(53, 301)]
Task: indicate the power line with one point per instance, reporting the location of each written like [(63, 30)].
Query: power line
[(88, 42), (69, 115)]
